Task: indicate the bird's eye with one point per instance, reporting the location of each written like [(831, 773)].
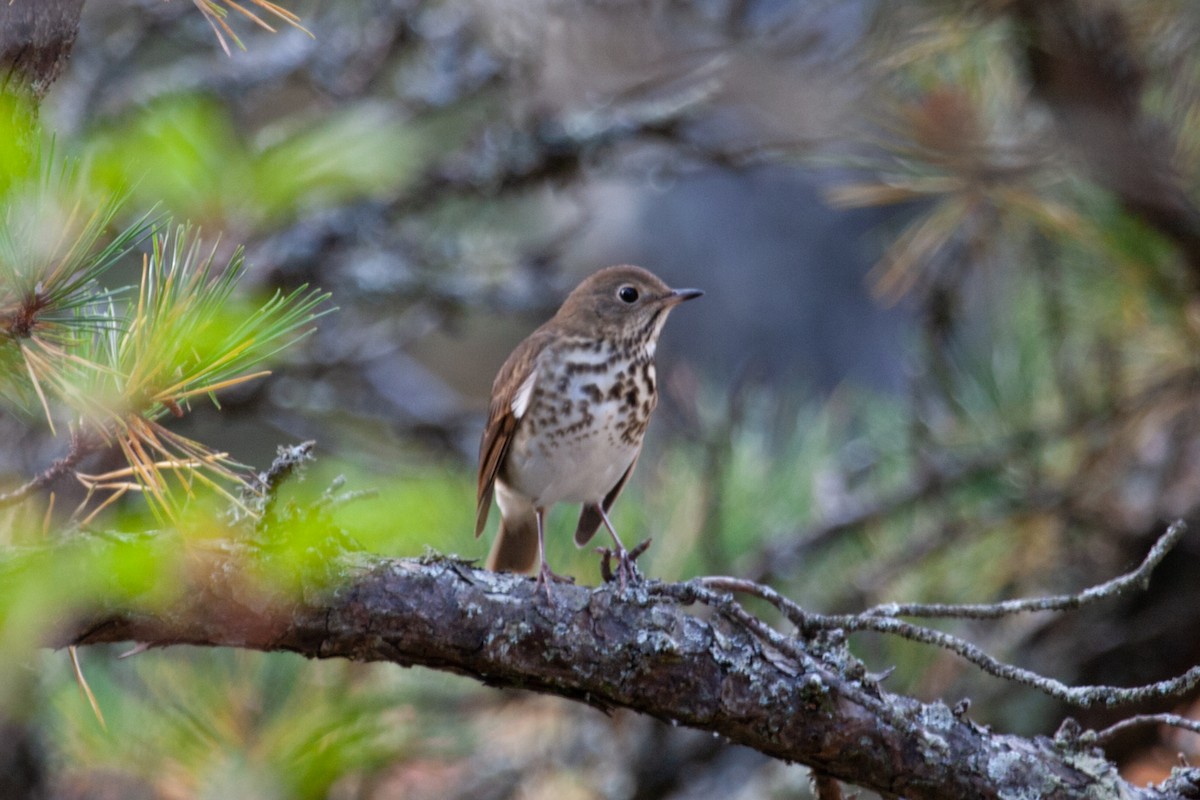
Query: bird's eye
[(628, 294)]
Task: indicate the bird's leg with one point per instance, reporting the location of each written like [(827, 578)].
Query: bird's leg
[(545, 574), (627, 571)]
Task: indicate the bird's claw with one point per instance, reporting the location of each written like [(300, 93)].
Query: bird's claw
[(546, 576), (627, 571)]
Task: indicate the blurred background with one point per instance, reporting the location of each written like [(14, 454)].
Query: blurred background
[(947, 351)]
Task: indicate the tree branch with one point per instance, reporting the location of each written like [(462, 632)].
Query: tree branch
[(883, 619), (641, 650), (81, 446), (1138, 578), (36, 37)]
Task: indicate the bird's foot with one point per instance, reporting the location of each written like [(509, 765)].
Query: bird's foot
[(546, 576), (627, 571)]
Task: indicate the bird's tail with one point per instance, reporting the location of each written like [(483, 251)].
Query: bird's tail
[(516, 545)]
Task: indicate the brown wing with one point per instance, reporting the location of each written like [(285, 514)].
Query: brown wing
[(502, 421), (589, 518)]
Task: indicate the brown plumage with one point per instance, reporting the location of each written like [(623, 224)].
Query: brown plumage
[(568, 412)]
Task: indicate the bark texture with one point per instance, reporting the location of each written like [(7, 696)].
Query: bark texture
[(36, 37), (638, 650)]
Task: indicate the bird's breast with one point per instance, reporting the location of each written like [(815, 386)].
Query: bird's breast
[(584, 424)]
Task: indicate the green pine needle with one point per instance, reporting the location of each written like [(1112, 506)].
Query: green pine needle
[(117, 360)]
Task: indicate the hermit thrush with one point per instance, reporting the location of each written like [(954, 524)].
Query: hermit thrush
[(568, 412)]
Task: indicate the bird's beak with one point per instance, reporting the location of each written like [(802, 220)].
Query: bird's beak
[(677, 296)]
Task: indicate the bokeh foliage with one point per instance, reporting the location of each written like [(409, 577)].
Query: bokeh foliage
[(1048, 426), (185, 154)]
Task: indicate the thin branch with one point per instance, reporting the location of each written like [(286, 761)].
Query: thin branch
[(1138, 578), (1082, 696), (1174, 720), (81, 446), (260, 496), (882, 619)]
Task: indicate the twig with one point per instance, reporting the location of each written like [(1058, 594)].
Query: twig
[(331, 501), (288, 460), (1139, 578), (883, 619), (1175, 720), (1082, 696), (80, 447), (695, 591)]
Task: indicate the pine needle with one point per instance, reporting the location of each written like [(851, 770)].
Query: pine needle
[(48, 516), (37, 387), (84, 689), (215, 14)]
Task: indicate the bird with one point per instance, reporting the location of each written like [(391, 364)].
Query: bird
[(568, 414)]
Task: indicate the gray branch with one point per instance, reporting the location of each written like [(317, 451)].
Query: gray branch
[(1137, 579), (36, 37), (883, 619), (81, 446), (643, 649)]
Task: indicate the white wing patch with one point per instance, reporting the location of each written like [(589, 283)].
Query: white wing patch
[(520, 401)]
